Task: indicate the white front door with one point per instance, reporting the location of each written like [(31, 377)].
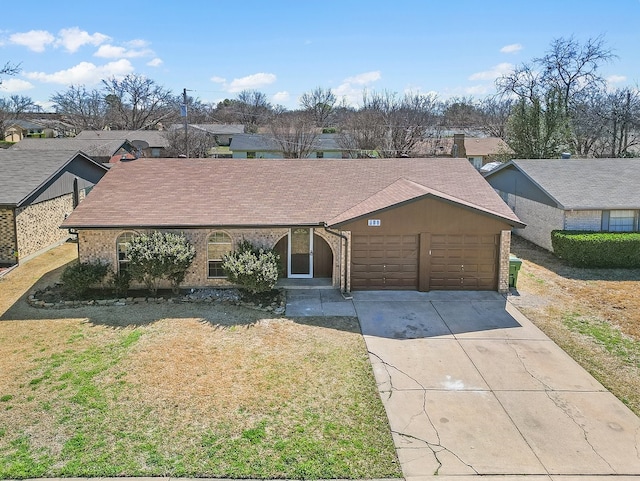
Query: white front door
[(300, 253)]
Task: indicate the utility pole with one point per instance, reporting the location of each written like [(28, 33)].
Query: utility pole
[(184, 114)]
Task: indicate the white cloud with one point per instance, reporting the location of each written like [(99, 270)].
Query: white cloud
[(616, 79), (137, 43), (364, 78), (253, 81), (478, 89), (493, 73), (35, 40), (281, 97), (351, 88), (513, 48), (218, 80), (15, 85), (84, 73), (112, 51), (156, 62), (73, 38)]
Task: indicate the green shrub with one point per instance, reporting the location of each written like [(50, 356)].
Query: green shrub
[(597, 249), (79, 277), (159, 255), (253, 268), (119, 282)]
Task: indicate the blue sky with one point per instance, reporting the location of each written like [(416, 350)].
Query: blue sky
[(284, 48)]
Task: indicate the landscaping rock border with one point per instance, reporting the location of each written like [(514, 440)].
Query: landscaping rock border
[(197, 296)]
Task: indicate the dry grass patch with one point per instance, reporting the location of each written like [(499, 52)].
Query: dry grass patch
[(593, 314), (186, 390)]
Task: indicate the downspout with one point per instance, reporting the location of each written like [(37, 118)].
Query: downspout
[(344, 292)]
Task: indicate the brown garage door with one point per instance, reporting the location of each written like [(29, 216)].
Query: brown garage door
[(463, 262), (384, 262)]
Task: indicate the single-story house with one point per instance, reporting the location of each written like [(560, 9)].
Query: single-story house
[(570, 194), (419, 224), (147, 143), (37, 191), (480, 150), (104, 150), (223, 133), (265, 146), (18, 129)]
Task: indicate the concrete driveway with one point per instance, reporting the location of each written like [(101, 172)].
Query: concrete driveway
[(471, 387)]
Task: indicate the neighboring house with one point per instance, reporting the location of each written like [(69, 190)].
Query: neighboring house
[(16, 130), (103, 150), (419, 224), (480, 150), (223, 133), (148, 143), (37, 191), (265, 146), (570, 194)]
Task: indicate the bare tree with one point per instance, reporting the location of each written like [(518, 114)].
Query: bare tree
[(494, 114), (14, 108), (9, 70), (136, 102), (253, 109), (295, 133), (567, 74), (320, 103), (572, 68), (200, 142), (82, 108), (391, 125)]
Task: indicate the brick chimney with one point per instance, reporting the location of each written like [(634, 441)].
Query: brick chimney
[(458, 149)]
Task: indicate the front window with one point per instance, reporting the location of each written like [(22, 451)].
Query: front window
[(219, 245), (621, 220), (251, 155), (122, 248)]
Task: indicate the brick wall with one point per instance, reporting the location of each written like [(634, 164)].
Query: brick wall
[(38, 225), (100, 245), (541, 219), (590, 220), (503, 270), (8, 245)]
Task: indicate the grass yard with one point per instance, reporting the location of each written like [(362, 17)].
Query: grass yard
[(593, 314), (182, 390)]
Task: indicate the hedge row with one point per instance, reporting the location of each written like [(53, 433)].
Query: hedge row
[(597, 249)]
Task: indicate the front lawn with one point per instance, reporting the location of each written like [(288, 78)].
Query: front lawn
[(183, 390)]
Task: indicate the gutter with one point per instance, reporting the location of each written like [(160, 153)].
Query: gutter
[(345, 294)]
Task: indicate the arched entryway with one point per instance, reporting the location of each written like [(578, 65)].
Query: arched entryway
[(314, 259)]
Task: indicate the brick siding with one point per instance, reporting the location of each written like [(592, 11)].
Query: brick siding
[(590, 220), (505, 250), (541, 219), (8, 246), (100, 245), (38, 225)]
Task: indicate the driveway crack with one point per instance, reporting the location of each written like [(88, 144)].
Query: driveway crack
[(525, 367), (436, 447), (585, 434)]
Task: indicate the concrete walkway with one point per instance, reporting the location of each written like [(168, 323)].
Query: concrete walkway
[(471, 387)]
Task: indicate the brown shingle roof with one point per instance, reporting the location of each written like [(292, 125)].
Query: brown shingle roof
[(205, 192), (485, 146)]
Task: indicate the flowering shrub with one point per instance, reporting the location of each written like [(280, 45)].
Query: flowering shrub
[(253, 268), (159, 255)]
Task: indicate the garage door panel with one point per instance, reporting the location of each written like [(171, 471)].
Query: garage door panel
[(384, 262), (465, 261)]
